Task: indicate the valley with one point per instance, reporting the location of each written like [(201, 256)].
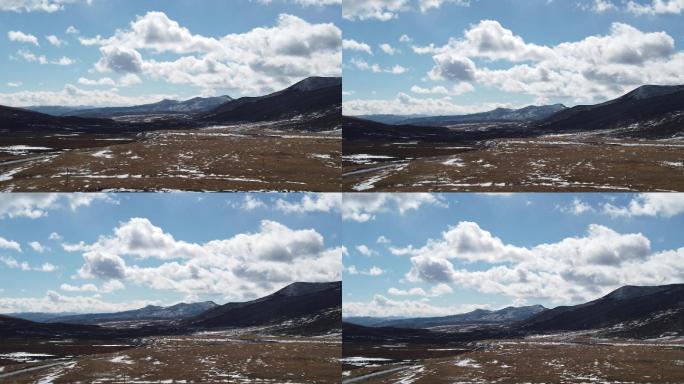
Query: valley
[(632, 335), (289, 140), (633, 143), (290, 336)]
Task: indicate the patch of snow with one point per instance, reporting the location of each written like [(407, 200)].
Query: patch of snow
[(104, 154), (467, 363)]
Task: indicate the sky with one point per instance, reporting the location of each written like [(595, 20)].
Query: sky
[(463, 56), (126, 52), (441, 254), (112, 252)]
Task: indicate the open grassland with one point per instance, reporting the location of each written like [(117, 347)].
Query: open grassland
[(550, 163), (217, 357), (236, 158), (518, 361)]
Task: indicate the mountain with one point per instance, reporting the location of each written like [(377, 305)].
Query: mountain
[(296, 302), (478, 316), (56, 110), (150, 312), (389, 119), (629, 305), (370, 321), (318, 99), (191, 106), (17, 119), (40, 317), (11, 327), (527, 114), (649, 111)]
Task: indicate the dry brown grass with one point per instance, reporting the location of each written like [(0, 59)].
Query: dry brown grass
[(528, 165)]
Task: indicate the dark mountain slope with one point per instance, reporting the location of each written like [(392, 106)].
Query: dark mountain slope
[(625, 304), (151, 312), (649, 111), (17, 119), (296, 301), (319, 96)]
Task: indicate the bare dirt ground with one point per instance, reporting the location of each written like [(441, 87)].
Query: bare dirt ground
[(550, 163), (237, 158), (217, 357), (531, 360)]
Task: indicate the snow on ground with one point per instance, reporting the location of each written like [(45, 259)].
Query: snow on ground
[(104, 154), (22, 149), (456, 162), (467, 363), (123, 359), (23, 357), (363, 158), (55, 373)]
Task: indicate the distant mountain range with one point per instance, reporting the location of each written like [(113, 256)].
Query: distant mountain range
[(150, 312), (299, 308), (650, 111), (191, 106), (528, 114), (478, 316), (630, 311), (314, 104)]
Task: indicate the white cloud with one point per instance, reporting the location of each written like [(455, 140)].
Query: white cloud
[(382, 10), (365, 250), (54, 40), (388, 49), (9, 244), (656, 7), (249, 203), (599, 6), (312, 202), (376, 68), (405, 39), (22, 37), (35, 205), (362, 207), (574, 269), (261, 60), (382, 240), (374, 271), (577, 207), (12, 263), (405, 104), (71, 95), (649, 204), (38, 247), (47, 267), (458, 89), (56, 302), (593, 69), (354, 45), (126, 80), (243, 266), (82, 288), (36, 5), (381, 306), (435, 291), (14, 84), (63, 61), (30, 57), (71, 30)]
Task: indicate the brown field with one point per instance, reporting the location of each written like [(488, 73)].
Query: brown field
[(203, 358), (243, 158), (529, 361), (523, 165)]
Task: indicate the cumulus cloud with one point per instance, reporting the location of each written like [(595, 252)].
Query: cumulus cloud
[(56, 302), (388, 49), (249, 203), (589, 70), (354, 45), (22, 37), (257, 61), (35, 205), (655, 7), (376, 68), (48, 6), (381, 306), (38, 247), (382, 10), (243, 266), (312, 202), (54, 40), (365, 250), (577, 207), (648, 204), (363, 207), (574, 269), (12, 263)]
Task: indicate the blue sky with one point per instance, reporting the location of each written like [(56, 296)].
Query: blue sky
[(99, 252), (453, 253), (509, 53), (216, 47)]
